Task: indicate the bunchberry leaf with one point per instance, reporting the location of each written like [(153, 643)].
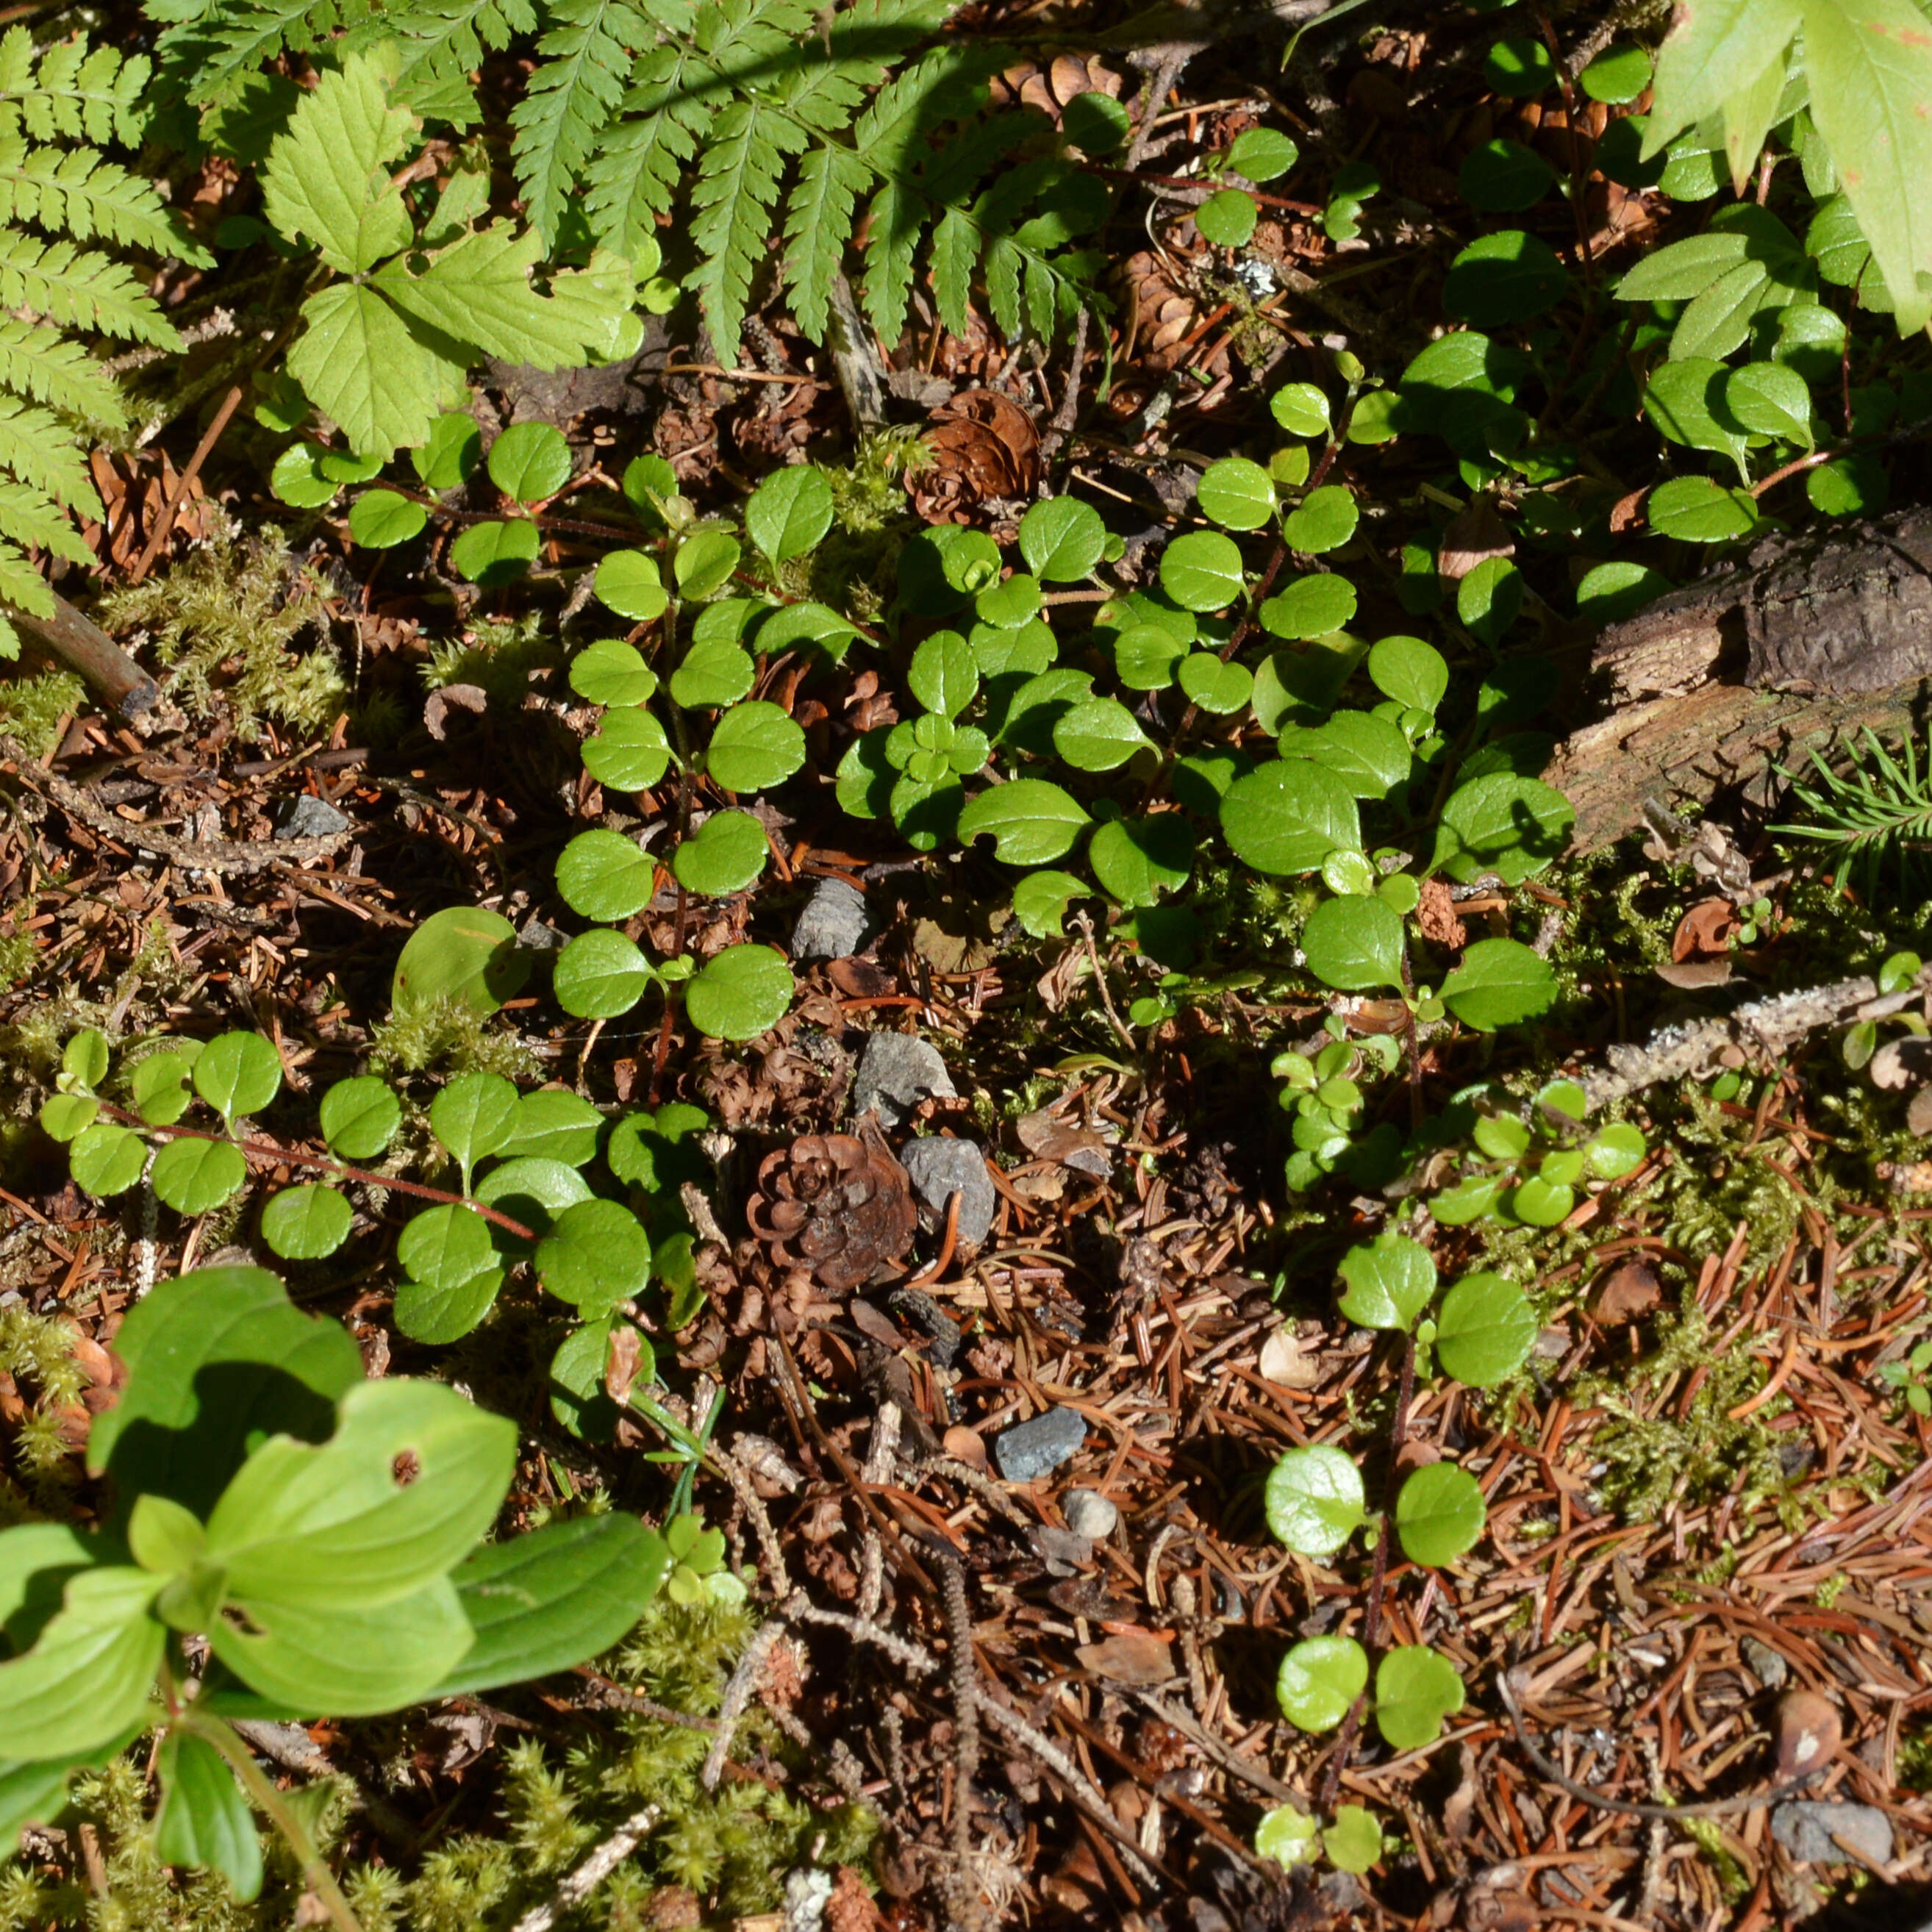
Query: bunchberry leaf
[(87, 1677)]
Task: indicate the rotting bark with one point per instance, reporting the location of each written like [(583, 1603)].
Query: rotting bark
[(1812, 639)]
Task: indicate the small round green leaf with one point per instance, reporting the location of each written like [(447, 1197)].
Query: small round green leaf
[(466, 955), (1499, 983), (1062, 539), (1439, 1513), (554, 1124), (1137, 860), (739, 993), (496, 553), (532, 1192), (303, 1224), (474, 1116), (1288, 815), (602, 875), (193, 1176), (1033, 821), (1484, 1330), (1354, 944), (724, 855), (1041, 898), (789, 513), (1227, 219), (596, 1255), (1542, 1203), (1324, 520), (1146, 656), (381, 519), (107, 1159), (756, 745), (1508, 277), (1390, 1280), (1504, 178), (1319, 1680), (1615, 1150), (1369, 754), (627, 581), (630, 754), (599, 975), (1262, 153), (1201, 571), (1410, 672), (1612, 591), (160, 1088), (1310, 606), (1096, 123), (1502, 823), (1237, 494), (1314, 1501), (1097, 735), (1519, 67), (1219, 689), (297, 477), (1354, 1843), (715, 672), (944, 675), (1288, 1836), (1700, 511), (529, 462), (449, 455), (1772, 400), (1301, 409), (704, 564), (439, 1313), (1617, 76), (1416, 1687), (238, 1073), (612, 672)]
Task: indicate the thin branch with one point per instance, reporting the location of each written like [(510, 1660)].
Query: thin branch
[(594, 1870)]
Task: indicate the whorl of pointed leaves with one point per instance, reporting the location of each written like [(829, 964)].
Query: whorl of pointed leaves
[(58, 107), (760, 116)]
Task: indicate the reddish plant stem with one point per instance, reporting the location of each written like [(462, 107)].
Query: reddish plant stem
[(266, 1150), (1133, 177), (1371, 1617)]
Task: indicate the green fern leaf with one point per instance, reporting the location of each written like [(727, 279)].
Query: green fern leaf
[(732, 200), (28, 517), (439, 45), (83, 290), (634, 177), (23, 586), (39, 361), (245, 39), (76, 191), (1005, 264), (72, 93), (570, 101), (38, 449), (955, 253), (864, 42), (818, 221)]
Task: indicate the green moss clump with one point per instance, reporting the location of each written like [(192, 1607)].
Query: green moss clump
[(451, 1036), (32, 709), (224, 620), (497, 655)]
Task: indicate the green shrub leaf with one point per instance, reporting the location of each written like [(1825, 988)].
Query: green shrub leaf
[(1439, 1513), (1314, 1501)]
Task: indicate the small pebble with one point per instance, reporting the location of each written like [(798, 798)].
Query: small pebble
[(310, 818), (1770, 1668), (1808, 1828), (1037, 1448), (1090, 1514), (833, 924), (938, 1167), (534, 936), (895, 1072)]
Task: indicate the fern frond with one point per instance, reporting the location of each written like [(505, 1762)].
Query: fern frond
[(29, 517), (80, 287), (635, 175), (72, 93), (732, 201), (22, 585), (573, 94), (862, 45), (439, 44), (40, 362), (38, 449), (818, 220), (77, 191), (242, 39), (1876, 810)]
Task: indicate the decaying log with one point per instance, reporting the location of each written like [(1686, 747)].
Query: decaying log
[(1715, 685)]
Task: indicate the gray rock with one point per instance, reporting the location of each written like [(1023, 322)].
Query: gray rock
[(896, 1071), (1770, 1669), (833, 924), (1064, 1553), (1038, 1447), (534, 936), (1808, 1828), (939, 1168), (310, 818), (1090, 1514)]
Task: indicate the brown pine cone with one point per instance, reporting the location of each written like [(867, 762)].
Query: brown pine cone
[(984, 447), (839, 1208)]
